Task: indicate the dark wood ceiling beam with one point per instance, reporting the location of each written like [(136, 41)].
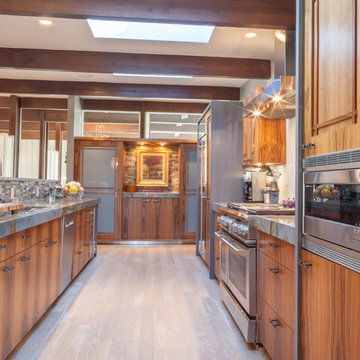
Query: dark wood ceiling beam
[(16, 86), (43, 103), (267, 14), (150, 106), (109, 62)]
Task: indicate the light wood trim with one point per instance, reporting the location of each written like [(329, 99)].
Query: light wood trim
[(336, 120)]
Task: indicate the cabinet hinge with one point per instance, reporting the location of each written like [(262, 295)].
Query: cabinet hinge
[(304, 264), (306, 146)]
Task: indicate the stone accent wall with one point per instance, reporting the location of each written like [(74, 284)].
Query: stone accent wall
[(25, 189), (131, 162)]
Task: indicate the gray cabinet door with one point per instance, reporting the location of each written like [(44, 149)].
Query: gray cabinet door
[(99, 177)]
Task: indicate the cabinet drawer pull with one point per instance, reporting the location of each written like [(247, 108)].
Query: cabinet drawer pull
[(275, 323), (26, 258), (2, 247), (79, 252), (25, 237), (8, 269), (273, 245), (274, 270), (80, 227), (146, 200), (156, 200), (50, 244)]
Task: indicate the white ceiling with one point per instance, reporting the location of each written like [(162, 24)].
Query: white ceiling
[(74, 34)]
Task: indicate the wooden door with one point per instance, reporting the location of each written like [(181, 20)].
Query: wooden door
[(168, 219), (131, 224), (150, 218), (101, 173), (330, 311), (331, 122), (11, 305)]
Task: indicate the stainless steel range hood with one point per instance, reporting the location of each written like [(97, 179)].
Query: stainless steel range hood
[(277, 101)]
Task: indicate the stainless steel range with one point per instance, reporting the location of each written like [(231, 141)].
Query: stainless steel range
[(237, 237)]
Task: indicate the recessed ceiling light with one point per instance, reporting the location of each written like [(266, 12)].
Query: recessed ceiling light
[(277, 98), (156, 76), (280, 35), (257, 113), (45, 22), (250, 34), (131, 30)]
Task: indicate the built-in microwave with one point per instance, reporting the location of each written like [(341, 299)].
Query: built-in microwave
[(332, 207)]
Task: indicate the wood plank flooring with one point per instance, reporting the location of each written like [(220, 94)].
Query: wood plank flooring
[(130, 303)]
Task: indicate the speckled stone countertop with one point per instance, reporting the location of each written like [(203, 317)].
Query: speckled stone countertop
[(42, 212), (165, 194), (279, 226)]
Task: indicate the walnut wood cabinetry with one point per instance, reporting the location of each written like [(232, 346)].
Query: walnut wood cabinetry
[(151, 218), (330, 312), (276, 296), (264, 141), (331, 76), (84, 221), (29, 281)]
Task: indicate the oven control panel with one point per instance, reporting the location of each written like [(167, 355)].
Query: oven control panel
[(235, 226)]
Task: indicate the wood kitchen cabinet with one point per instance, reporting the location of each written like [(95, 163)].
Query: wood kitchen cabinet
[(29, 282), (276, 296), (151, 218), (330, 311), (264, 141), (332, 97)]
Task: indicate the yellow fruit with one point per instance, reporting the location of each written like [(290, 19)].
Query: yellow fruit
[(73, 189), (326, 192)]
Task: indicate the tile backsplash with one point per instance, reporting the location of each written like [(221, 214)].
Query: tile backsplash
[(25, 189)]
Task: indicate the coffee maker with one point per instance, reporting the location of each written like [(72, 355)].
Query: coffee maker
[(253, 184)]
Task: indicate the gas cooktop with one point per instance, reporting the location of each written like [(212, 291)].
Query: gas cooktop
[(261, 208)]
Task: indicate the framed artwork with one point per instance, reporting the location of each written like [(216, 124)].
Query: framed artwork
[(152, 168)]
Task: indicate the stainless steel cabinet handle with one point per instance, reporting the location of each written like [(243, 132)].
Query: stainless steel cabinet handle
[(274, 271), (237, 249), (50, 244), (275, 323), (25, 237), (273, 245), (156, 200), (79, 252), (8, 269), (26, 258), (146, 200), (69, 223), (2, 247)]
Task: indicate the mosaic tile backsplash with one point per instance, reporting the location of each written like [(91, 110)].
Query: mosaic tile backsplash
[(25, 189), (131, 160)]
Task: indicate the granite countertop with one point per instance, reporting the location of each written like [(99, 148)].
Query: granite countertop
[(279, 226), (165, 194), (41, 212)]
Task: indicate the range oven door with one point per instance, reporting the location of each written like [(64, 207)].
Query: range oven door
[(240, 276), (332, 207)]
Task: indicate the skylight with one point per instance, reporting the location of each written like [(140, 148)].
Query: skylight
[(156, 76), (129, 30)]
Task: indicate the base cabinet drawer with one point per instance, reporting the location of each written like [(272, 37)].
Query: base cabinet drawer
[(273, 333), (81, 257)]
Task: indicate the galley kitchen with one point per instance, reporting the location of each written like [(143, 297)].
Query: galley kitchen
[(179, 180)]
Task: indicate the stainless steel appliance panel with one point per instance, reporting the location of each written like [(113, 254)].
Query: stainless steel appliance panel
[(67, 248)]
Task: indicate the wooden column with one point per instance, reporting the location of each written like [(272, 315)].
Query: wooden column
[(74, 128), (14, 130), (58, 146), (43, 146), (142, 120)]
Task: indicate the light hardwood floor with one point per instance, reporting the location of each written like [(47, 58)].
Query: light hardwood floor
[(130, 303)]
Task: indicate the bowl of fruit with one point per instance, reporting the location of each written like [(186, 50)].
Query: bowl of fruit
[(73, 190)]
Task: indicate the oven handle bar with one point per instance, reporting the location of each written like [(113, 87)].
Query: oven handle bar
[(233, 246)]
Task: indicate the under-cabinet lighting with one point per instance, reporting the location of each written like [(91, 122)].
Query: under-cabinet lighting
[(45, 22), (156, 76), (179, 124), (135, 30), (250, 35)]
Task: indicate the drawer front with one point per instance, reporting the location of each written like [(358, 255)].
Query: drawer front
[(81, 257), (8, 247), (32, 236), (276, 284), (268, 245), (279, 250), (273, 333)]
